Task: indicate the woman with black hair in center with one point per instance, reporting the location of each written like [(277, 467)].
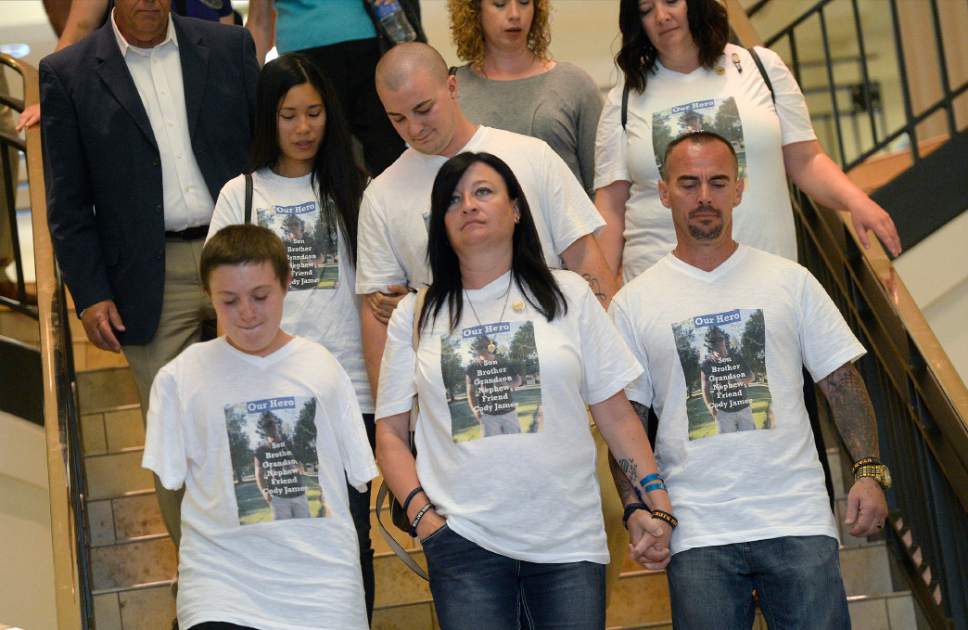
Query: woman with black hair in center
[(307, 189), (681, 75), (510, 521)]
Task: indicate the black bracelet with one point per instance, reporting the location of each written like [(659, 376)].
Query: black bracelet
[(418, 518), (662, 515), (633, 507), (413, 493)]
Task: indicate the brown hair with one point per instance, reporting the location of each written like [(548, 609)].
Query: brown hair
[(244, 245), (708, 25), (468, 34)]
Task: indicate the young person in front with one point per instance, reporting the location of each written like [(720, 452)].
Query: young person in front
[(306, 188), (222, 406), (722, 330), (510, 520)]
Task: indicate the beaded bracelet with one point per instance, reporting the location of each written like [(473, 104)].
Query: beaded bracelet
[(665, 516), (418, 518), (867, 461), (413, 493)]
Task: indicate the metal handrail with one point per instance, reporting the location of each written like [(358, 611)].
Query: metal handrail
[(65, 469), (920, 400), (911, 118)]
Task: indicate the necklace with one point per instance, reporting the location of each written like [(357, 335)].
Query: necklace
[(491, 346)]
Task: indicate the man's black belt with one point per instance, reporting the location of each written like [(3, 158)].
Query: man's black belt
[(188, 234)]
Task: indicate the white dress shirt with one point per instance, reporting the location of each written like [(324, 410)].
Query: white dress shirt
[(157, 75)]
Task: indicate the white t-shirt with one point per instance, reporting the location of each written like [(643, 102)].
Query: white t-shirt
[(734, 104), (521, 481), (395, 213), (730, 482), (321, 304), (217, 418)]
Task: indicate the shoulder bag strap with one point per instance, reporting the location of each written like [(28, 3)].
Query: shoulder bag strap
[(248, 198), (763, 73), (625, 106), (384, 491)]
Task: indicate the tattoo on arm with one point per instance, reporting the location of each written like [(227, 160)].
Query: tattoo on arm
[(596, 287), (620, 476), (852, 411)]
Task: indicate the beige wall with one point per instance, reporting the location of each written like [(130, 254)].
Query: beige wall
[(26, 564)]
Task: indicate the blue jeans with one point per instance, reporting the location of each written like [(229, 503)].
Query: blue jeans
[(797, 579), (475, 588)]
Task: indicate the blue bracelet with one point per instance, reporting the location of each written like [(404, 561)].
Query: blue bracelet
[(648, 478), (658, 485)]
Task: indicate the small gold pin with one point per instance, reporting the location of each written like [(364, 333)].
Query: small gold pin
[(719, 70), (518, 306)]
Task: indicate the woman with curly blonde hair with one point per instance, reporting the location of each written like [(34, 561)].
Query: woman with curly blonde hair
[(510, 81)]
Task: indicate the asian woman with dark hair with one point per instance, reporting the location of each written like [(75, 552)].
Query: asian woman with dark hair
[(305, 187), (503, 489)]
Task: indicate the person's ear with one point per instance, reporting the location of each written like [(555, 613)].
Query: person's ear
[(452, 86), (664, 192), (740, 187)]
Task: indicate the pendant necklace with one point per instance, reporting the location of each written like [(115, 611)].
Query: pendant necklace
[(491, 346)]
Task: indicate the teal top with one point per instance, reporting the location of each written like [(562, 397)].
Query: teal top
[(303, 24)]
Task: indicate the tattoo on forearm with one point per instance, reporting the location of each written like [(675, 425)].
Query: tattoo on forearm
[(852, 411), (620, 476), (596, 286)]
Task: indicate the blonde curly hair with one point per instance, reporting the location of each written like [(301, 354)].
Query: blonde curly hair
[(468, 36)]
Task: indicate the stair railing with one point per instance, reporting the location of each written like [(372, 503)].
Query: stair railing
[(881, 138), (65, 467), (920, 401)]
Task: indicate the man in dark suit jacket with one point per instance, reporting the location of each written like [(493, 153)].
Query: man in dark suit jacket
[(144, 121)]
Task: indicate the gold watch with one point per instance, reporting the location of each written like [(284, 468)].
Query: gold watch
[(874, 469)]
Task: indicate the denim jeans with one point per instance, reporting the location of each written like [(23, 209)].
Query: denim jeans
[(797, 579), (360, 510), (476, 588)]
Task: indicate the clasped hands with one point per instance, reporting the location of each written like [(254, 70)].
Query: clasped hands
[(649, 540)]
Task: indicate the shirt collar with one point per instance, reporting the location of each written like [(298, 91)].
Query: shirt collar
[(125, 46)]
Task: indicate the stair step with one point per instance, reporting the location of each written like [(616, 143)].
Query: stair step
[(116, 475), (121, 566), (418, 616), (893, 611), (106, 389), (113, 431), (18, 326), (89, 357), (124, 518), (866, 569), (640, 597), (151, 607)]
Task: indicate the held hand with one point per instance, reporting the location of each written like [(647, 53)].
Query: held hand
[(267, 496), (866, 508), (429, 524), (649, 540), (100, 321), (29, 117), (383, 303), (867, 215)]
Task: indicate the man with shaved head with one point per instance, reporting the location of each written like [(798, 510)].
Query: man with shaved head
[(722, 330), (420, 99)]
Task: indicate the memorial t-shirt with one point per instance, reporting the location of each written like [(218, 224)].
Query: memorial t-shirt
[(395, 213), (531, 493), (745, 485), (321, 304), (730, 99), (212, 410)]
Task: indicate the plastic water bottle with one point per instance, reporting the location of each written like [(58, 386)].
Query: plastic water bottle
[(394, 22)]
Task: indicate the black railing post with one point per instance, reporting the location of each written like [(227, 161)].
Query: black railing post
[(830, 80), (943, 68), (905, 88), (865, 76)]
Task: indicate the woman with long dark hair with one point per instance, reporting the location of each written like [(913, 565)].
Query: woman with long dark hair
[(306, 188), (503, 492), (679, 75)]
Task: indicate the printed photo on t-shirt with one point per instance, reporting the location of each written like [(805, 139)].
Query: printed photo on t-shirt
[(311, 243), (272, 443), (492, 379), (723, 359), (718, 115)]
